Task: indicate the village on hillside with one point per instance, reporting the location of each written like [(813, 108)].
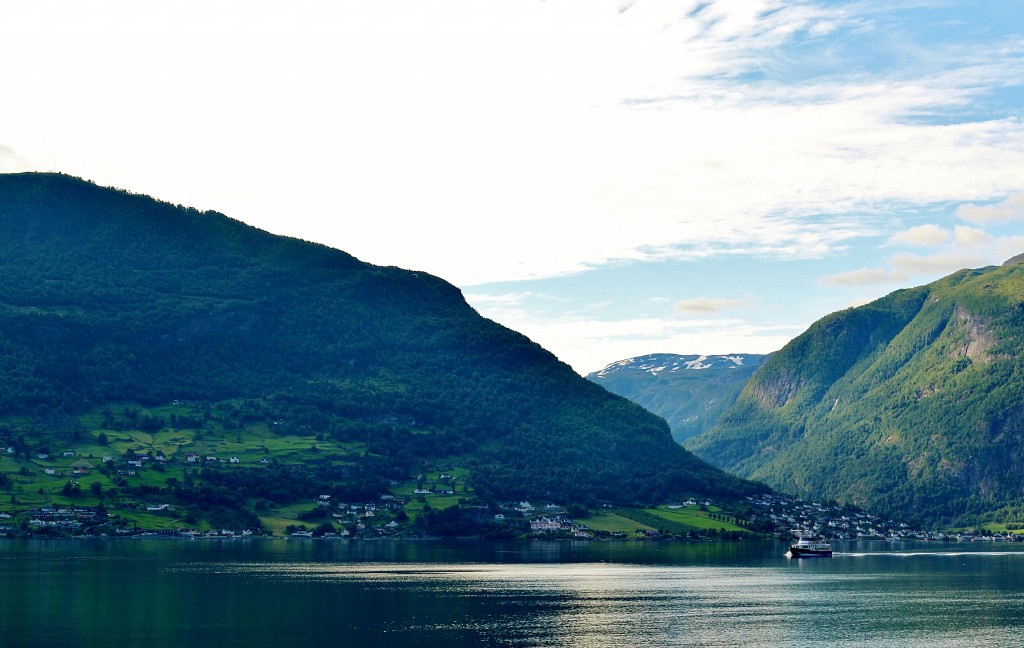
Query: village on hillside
[(126, 495)]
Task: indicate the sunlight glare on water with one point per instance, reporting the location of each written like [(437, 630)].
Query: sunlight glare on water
[(287, 594), (597, 605)]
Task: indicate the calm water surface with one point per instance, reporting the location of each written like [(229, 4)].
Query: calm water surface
[(311, 593)]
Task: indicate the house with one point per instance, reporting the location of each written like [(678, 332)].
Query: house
[(234, 460), (69, 453), (554, 523), (192, 457), (50, 471)]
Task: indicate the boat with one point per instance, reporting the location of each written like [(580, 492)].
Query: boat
[(807, 548)]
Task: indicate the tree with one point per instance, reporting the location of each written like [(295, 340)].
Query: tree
[(321, 529)]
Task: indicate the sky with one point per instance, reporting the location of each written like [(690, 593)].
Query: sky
[(609, 178)]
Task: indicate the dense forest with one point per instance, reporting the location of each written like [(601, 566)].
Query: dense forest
[(911, 405), (110, 298)]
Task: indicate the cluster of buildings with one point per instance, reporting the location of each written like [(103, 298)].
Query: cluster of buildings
[(792, 516), (560, 524), (69, 519), (377, 517)]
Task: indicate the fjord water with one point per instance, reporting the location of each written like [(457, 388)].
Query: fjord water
[(341, 593)]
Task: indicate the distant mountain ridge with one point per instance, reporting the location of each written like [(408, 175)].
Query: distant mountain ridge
[(656, 363), (110, 299), (688, 391), (912, 405)]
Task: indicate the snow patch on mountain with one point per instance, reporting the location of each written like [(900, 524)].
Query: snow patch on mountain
[(658, 363)]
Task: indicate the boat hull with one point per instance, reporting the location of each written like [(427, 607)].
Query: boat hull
[(796, 552)]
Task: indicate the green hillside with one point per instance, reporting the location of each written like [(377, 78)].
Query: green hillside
[(690, 392), (911, 405), (120, 314)]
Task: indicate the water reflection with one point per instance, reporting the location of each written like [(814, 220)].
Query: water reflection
[(527, 594)]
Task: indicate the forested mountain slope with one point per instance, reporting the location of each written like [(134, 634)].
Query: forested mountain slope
[(911, 405), (689, 391), (110, 298)]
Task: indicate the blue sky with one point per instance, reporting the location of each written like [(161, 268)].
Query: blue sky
[(610, 178)]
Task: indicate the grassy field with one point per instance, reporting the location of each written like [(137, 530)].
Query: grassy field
[(673, 520), (440, 502), (693, 517), (278, 525), (614, 522), (157, 522)]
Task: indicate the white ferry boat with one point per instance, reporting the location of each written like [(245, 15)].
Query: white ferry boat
[(807, 548)]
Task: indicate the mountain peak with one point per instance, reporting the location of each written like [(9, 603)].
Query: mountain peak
[(658, 363)]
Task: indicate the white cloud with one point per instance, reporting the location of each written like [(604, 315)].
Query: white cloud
[(1009, 246), (972, 236), (866, 277), (506, 140), (590, 339), (588, 344), (518, 139), (702, 305), (924, 235), (503, 300), (970, 248), (11, 162), (1010, 209), (937, 264)]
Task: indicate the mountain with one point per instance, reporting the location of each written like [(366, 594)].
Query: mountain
[(688, 391), (911, 405), (115, 305)]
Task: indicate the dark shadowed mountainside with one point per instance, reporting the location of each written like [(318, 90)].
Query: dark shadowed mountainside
[(109, 298)]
